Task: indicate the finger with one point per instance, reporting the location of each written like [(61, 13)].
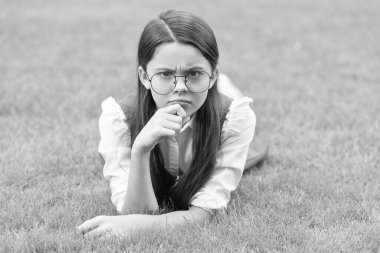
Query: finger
[(174, 118), (97, 232), (181, 112), (167, 133), (90, 225), (172, 125), (178, 119), (176, 109)]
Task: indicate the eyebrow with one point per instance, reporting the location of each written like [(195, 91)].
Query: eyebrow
[(194, 67)]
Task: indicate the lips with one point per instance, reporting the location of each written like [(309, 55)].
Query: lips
[(179, 101)]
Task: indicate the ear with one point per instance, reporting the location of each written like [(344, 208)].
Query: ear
[(143, 76), (215, 76)]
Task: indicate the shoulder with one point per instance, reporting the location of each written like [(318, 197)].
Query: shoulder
[(111, 107), (239, 117), (112, 111), (112, 119)]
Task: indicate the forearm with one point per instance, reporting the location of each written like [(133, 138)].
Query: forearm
[(140, 195), (194, 215)]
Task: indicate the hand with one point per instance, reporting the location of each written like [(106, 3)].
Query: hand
[(103, 226), (166, 122)]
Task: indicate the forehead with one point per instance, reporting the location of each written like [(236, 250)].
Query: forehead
[(177, 56)]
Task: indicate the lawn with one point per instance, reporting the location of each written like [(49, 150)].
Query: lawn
[(312, 68)]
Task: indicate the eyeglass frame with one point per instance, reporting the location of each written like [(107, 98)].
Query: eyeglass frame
[(175, 82)]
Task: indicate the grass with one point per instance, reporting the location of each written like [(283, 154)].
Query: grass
[(311, 67)]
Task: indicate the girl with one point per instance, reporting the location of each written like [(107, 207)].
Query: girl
[(182, 144)]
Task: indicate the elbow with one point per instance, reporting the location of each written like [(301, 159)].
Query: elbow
[(200, 215)]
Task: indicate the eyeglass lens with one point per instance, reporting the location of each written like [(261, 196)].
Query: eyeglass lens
[(164, 83)]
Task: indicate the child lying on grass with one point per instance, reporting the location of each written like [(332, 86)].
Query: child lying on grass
[(183, 143)]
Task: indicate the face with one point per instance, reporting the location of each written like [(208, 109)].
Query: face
[(178, 59)]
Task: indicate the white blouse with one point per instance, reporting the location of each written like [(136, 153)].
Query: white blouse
[(237, 134)]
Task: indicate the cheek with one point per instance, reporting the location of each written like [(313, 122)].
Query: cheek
[(159, 100), (202, 98), (199, 100)]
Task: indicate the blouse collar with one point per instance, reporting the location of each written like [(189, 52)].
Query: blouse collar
[(189, 124)]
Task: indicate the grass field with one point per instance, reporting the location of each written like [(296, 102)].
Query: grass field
[(312, 67)]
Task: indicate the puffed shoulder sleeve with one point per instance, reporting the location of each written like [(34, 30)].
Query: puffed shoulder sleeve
[(237, 134), (114, 146)]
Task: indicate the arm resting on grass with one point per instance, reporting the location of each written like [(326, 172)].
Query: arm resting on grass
[(124, 225)]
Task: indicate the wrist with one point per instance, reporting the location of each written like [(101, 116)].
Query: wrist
[(140, 150), (140, 145)]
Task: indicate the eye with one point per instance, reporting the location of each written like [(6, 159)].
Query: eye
[(165, 75), (194, 74)]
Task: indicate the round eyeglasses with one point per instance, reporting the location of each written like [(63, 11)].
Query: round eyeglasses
[(164, 83)]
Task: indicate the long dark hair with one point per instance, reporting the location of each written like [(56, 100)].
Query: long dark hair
[(186, 28)]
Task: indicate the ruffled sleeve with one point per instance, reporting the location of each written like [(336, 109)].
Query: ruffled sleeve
[(237, 133), (114, 146)]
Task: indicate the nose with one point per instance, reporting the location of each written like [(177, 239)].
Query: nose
[(180, 84)]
